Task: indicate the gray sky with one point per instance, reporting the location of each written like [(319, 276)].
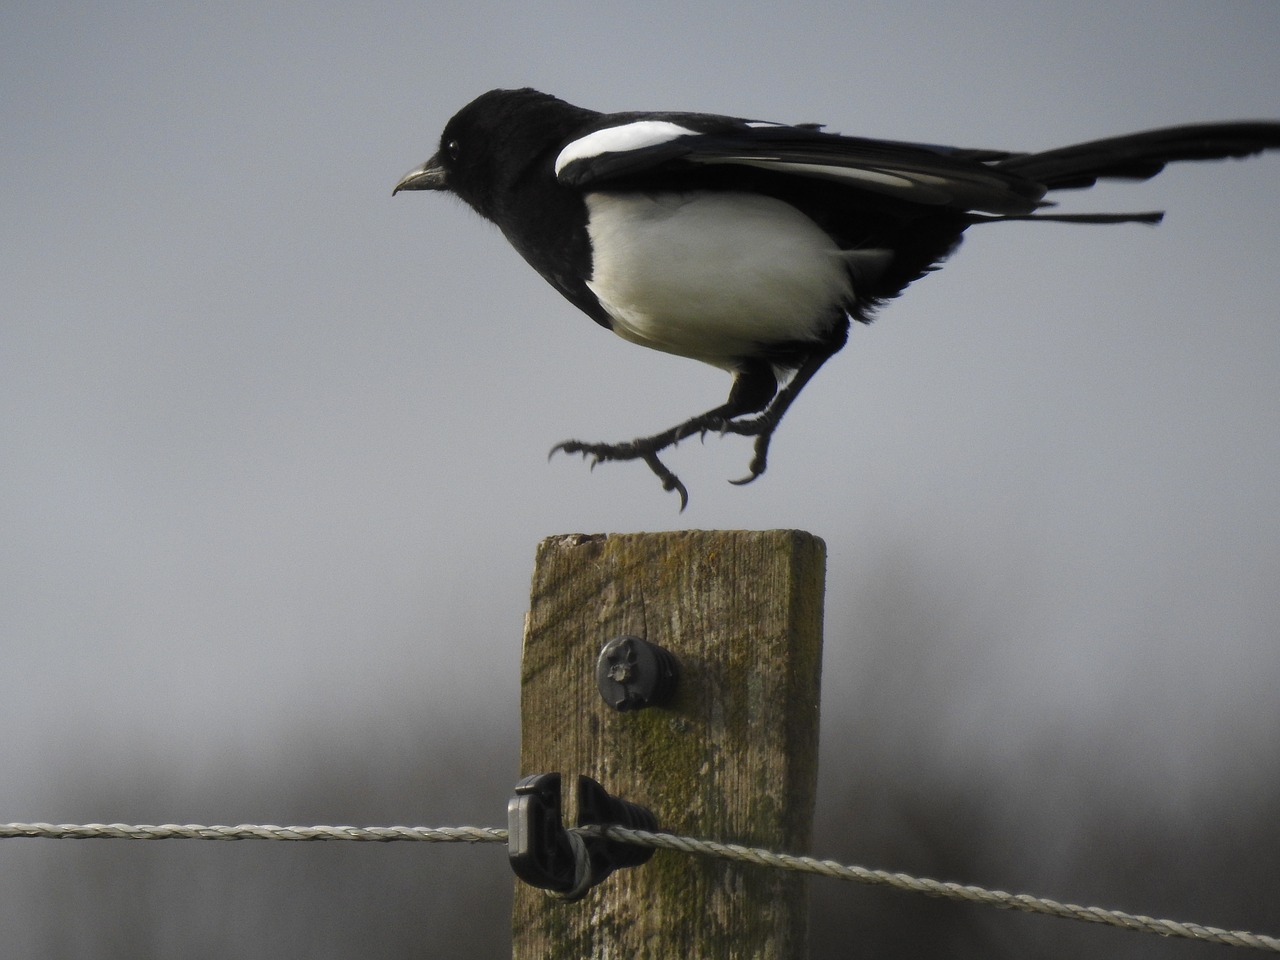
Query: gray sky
[(274, 444)]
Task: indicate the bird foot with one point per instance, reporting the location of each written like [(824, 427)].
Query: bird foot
[(640, 449), (647, 448)]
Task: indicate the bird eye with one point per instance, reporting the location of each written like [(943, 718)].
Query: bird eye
[(452, 149)]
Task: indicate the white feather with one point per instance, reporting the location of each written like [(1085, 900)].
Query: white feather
[(620, 139), (713, 275)]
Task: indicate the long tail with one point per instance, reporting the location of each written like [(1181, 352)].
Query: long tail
[(1140, 156), (1135, 156), (1145, 216)]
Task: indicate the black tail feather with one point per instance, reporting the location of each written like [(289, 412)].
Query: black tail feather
[(1147, 216), (1140, 156)]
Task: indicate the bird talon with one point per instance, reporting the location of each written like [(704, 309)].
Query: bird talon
[(567, 447), (759, 460), (669, 480)]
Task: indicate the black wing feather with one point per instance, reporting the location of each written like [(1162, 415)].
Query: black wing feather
[(946, 177)]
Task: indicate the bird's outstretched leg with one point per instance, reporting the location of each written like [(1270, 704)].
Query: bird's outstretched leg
[(763, 426), (754, 387)]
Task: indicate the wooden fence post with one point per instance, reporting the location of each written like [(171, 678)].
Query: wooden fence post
[(733, 757)]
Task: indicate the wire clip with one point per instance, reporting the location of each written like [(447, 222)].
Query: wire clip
[(568, 863)]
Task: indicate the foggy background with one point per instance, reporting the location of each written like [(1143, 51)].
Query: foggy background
[(273, 466)]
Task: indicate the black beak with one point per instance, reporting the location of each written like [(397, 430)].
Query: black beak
[(429, 176)]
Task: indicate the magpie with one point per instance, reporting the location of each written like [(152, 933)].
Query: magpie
[(752, 245)]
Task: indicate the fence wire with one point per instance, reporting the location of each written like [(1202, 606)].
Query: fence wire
[(665, 841)]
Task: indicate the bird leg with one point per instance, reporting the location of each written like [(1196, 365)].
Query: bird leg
[(763, 426), (754, 392)]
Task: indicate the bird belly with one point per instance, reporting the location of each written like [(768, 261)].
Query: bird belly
[(714, 275)]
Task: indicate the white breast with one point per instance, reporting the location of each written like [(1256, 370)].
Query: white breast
[(713, 275)]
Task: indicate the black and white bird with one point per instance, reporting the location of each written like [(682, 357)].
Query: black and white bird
[(751, 245)]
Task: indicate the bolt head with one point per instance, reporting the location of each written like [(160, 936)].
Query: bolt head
[(632, 673)]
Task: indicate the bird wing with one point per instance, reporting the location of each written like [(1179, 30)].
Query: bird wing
[(629, 146)]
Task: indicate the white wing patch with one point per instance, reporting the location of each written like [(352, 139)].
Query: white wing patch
[(628, 136)]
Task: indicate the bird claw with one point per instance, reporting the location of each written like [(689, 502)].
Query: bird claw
[(636, 450), (760, 427), (759, 460), (669, 480)]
